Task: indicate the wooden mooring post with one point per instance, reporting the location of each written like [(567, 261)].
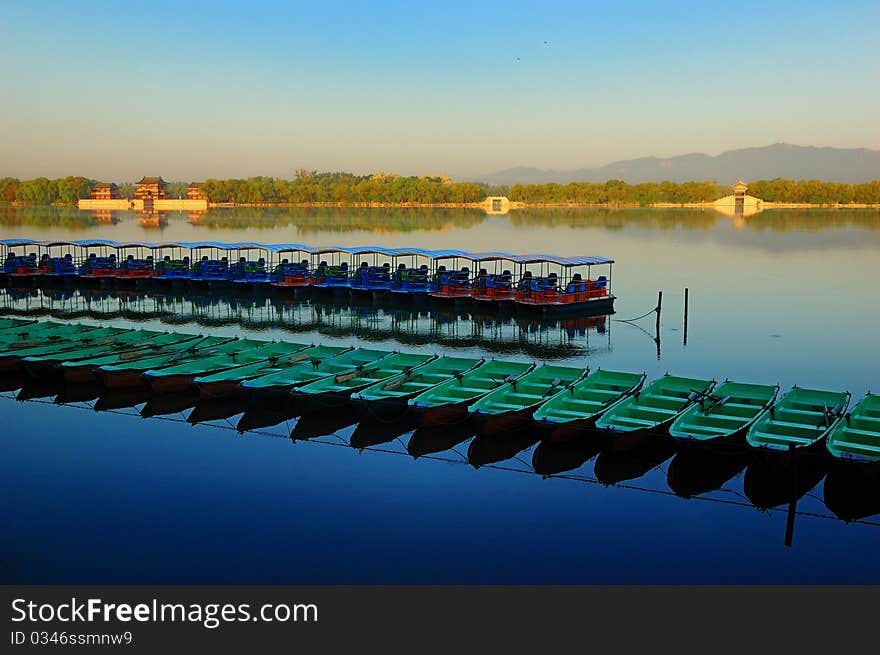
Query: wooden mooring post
[(792, 504), (685, 316), (657, 325)]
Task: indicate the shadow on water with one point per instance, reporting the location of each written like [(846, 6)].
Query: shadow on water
[(497, 447), (374, 431), (617, 465), (852, 491), (698, 470), (552, 457), (774, 479), (439, 438)]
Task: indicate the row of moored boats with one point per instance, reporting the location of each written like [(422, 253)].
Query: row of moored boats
[(499, 395)]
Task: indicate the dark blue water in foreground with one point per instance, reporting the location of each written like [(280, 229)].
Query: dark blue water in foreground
[(99, 497)]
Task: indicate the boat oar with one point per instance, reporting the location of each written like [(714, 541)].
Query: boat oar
[(555, 383), (274, 361), (832, 414), (345, 377), (717, 403), (393, 384)]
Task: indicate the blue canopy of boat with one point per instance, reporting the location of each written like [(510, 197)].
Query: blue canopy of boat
[(417, 252), (291, 247), (534, 258), (96, 243), (18, 242), (576, 260), (449, 254), (370, 250)]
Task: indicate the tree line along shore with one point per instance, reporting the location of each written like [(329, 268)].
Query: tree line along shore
[(389, 189)]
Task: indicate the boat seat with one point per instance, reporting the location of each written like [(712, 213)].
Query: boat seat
[(707, 429), (863, 417), (440, 400), (566, 412), (471, 389), (806, 412), (801, 426), (865, 433), (493, 405), (662, 396), (651, 408), (632, 421), (582, 401), (858, 448), (524, 396), (744, 405), (612, 391), (781, 439)]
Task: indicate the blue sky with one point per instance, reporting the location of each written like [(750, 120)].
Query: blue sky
[(198, 89)]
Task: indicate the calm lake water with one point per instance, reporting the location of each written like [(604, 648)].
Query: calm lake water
[(784, 297)]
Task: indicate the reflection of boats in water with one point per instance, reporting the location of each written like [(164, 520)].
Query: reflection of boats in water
[(122, 398), (613, 466), (80, 392), (169, 403), (217, 409), (852, 491), (774, 479), (13, 380), (551, 457), (542, 338), (492, 448), (437, 438), (697, 470), (372, 431), (258, 417), (322, 423)]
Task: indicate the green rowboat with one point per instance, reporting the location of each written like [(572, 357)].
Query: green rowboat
[(234, 354), (231, 379), (585, 401), (654, 406), (85, 336), (345, 384), (514, 402), (800, 419), (399, 389), (12, 323), (116, 372), (131, 341), (448, 402), (33, 334), (857, 436), (727, 413), (281, 382)]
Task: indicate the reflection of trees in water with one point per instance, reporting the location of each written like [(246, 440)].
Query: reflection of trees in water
[(780, 220), (340, 219), (614, 219), (348, 219), (42, 216), (786, 220)]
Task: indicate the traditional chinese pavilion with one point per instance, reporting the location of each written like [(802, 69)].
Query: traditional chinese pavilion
[(104, 191), (151, 188), (194, 191)]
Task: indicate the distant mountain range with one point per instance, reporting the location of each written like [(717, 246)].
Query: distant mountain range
[(779, 160)]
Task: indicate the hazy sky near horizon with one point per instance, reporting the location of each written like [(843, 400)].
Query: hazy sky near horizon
[(192, 90)]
